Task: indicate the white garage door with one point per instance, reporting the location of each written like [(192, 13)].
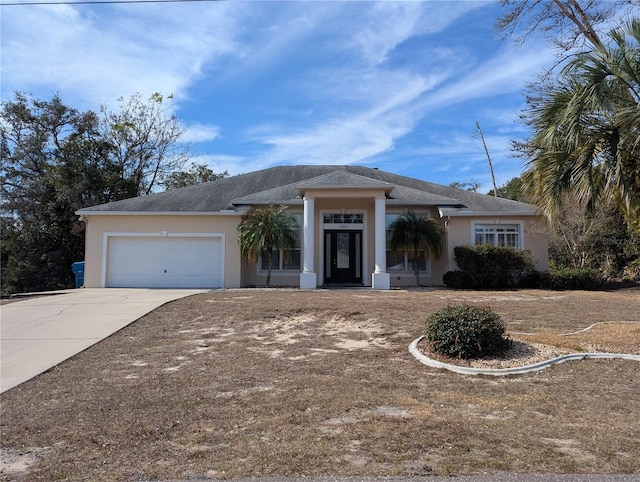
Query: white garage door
[(164, 262)]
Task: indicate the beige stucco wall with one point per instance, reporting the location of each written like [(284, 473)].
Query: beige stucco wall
[(253, 275), (459, 232), (98, 225), (326, 201), (237, 273), (351, 201), (434, 276)]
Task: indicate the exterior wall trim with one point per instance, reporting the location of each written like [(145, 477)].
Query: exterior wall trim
[(496, 214), (158, 213)]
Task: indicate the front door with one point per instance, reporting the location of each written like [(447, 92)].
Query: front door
[(343, 257)]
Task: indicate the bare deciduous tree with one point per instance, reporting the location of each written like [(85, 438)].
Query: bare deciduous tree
[(568, 23), (146, 138)]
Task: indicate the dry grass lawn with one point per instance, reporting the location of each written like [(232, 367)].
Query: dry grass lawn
[(258, 382)]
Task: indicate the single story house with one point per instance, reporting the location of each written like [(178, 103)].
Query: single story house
[(189, 238)]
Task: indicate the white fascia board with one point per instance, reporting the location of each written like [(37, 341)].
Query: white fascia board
[(461, 214), (158, 213), (290, 202), (411, 203)]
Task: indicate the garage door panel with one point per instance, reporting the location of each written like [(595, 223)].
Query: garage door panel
[(164, 262)]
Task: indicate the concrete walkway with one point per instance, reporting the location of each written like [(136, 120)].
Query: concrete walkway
[(39, 333)]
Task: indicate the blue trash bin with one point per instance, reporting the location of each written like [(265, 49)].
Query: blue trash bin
[(78, 271)]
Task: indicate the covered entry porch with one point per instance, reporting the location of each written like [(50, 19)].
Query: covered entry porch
[(344, 232)]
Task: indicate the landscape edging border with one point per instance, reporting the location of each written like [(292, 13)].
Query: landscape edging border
[(422, 358)]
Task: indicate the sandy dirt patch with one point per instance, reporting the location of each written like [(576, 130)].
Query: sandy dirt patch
[(241, 383)]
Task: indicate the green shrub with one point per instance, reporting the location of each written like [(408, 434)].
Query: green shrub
[(458, 280), (532, 281), (631, 271), (465, 331), (494, 266), (570, 279)]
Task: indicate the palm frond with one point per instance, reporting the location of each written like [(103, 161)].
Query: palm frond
[(587, 129)]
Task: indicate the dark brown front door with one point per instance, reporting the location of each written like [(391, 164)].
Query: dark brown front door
[(343, 257)]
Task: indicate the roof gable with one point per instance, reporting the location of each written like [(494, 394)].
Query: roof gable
[(293, 193), (343, 180)]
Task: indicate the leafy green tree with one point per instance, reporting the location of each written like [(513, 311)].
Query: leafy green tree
[(53, 162), (512, 189), (196, 174), (586, 130), (56, 160), (598, 75), (416, 234), (264, 229)]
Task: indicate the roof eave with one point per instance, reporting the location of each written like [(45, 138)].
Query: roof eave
[(303, 189), (223, 212), (468, 213), (248, 202)]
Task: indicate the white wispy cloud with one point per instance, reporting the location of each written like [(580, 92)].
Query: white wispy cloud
[(351, 137), (234, 165), (362, 113), (385, 26), (266, 39), (94, 56), (362, 110), (196, 132), (326, 82), (508, 71)]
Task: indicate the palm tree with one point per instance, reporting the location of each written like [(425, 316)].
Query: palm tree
[(264, 229), (413, 233), (586, 128)]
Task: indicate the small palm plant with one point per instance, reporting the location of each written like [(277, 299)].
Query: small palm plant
[(413, 233), (263, 229)]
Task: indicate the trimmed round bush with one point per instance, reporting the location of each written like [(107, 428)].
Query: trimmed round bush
[(465, 331)]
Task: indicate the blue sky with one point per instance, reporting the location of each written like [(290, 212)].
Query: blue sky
[(393, 85)]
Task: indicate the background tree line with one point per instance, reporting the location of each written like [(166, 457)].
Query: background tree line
[(582, 157), (56, 160)]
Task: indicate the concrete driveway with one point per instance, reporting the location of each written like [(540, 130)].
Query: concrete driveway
[(39, 333)]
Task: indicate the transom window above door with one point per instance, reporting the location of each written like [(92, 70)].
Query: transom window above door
[(343, 218)]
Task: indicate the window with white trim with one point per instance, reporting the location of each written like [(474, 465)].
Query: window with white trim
[(401, 261), (286, 259), (497, 234)]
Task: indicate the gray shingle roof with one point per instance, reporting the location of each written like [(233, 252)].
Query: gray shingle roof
[(282, 184)]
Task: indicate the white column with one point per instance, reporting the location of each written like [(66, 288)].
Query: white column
[(380, 279), (308, 276)]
